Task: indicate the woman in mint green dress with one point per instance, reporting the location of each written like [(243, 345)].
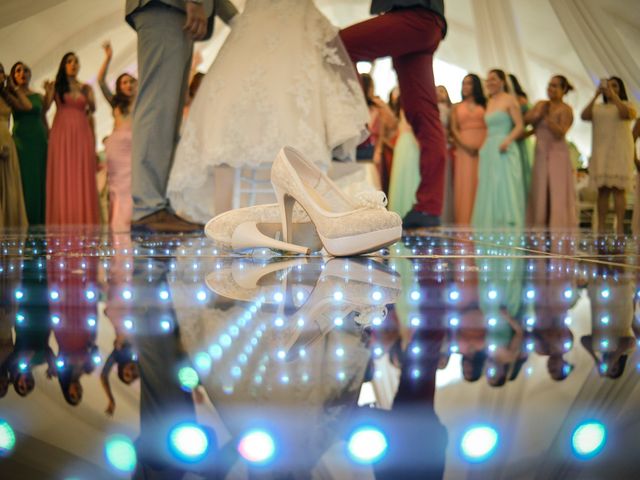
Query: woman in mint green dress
[(500, 198), (525, 142), (30, 137)]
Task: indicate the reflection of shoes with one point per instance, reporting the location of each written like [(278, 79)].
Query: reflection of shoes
[(166, 221), (260, 227), (416, 219), (249, 281), (346, 290), (346, 226)]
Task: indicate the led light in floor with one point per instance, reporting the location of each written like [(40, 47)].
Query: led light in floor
[(257, 447), (188, 378), (120, 453), (7, 438), (188, 442), (367, 445), (479, 443), (202, 361), (589, 439)]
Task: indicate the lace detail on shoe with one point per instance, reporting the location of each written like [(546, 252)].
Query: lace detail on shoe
[(373, 199)]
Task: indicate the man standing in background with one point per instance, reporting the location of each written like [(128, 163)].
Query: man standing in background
[(166, 31), (410, 31)]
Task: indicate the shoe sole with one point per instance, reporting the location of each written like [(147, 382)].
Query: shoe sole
[(361, 243)]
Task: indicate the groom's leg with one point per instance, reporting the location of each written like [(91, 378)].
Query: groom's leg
[(164, 60), (394, 34)]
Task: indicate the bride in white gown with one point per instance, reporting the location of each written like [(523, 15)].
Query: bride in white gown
[(283, 77)]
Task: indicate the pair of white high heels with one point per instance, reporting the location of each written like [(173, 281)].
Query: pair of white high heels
[(312, 212)]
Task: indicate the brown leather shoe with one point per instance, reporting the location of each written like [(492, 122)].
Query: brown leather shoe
[(165, 221)]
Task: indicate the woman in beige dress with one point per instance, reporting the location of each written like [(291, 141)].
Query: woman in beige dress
[(611, 164), (552, 198), (12, 210)]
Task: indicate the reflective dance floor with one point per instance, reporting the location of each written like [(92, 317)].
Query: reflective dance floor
[(452, 354)]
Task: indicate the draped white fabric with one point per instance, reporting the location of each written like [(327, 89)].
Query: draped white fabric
[(591, 25)]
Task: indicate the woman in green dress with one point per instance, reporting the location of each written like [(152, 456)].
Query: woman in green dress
[(500, 200), (30, 137)]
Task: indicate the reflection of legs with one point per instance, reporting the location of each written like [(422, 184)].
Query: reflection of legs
[(164, 58), (620, 204), (603, 207)]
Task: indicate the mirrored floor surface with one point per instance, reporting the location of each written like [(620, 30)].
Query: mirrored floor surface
[(452, 354)]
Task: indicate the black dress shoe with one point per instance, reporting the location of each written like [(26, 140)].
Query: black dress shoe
[(416, 219), (166, 221)]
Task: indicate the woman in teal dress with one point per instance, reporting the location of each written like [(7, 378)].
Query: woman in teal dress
[(30, 137), (500, 198), (525, 142)]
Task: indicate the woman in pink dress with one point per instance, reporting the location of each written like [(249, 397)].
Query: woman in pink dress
[(552, 198), (118, 145), (468, 130), (72, 193)]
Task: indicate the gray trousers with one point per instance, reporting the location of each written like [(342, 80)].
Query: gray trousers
[(164, 61)]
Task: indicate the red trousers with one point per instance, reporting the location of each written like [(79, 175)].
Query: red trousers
[(410, 37)]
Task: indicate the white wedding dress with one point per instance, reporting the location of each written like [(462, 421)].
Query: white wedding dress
[(283, 77)]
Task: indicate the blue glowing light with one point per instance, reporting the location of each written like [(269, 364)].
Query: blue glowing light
[(201, 296), (454, 322), (19, 294), (55, 319), (188, 442), (377, 296), (19, 318), (454, 295), (257, 447), (531, 294), (7, 438), (128, 324), (568, 294), (121, 453), (202, 361), (589, 439), (90, 295), (164, 295), (338, 296), (54, 295), (492, 294), (479, 443), (91, 322), (367, 445), (127, 295), (415, 295), (340, 352), (165, 325)]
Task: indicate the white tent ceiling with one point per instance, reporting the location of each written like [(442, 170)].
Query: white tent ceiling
[(39, 32)]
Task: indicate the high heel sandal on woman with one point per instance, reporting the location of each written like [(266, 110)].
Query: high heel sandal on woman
[(346, 225)]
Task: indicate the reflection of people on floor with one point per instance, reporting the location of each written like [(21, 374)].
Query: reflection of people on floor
[(505, 355), (117, 309), (556, 293), (31, 347), (612, 339), (73, 280)]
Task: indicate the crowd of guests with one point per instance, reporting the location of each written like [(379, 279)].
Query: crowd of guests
[(495, 177)]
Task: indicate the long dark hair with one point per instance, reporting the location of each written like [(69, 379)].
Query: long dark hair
[(623, 90), (517, 88), (120, 100), (62, 82), (12, 74), (367, 83), (478, 92), (502, 76)]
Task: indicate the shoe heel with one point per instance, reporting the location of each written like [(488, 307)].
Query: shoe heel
[(285, 202), (247, 236)]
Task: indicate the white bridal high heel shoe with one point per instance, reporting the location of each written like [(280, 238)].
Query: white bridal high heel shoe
[(260, 227), (346, 226)]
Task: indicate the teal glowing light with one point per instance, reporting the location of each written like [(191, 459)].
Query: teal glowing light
[(479, 443), (188, 442), (120, 453), (7, 438), (188, 378), (589, 439)]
